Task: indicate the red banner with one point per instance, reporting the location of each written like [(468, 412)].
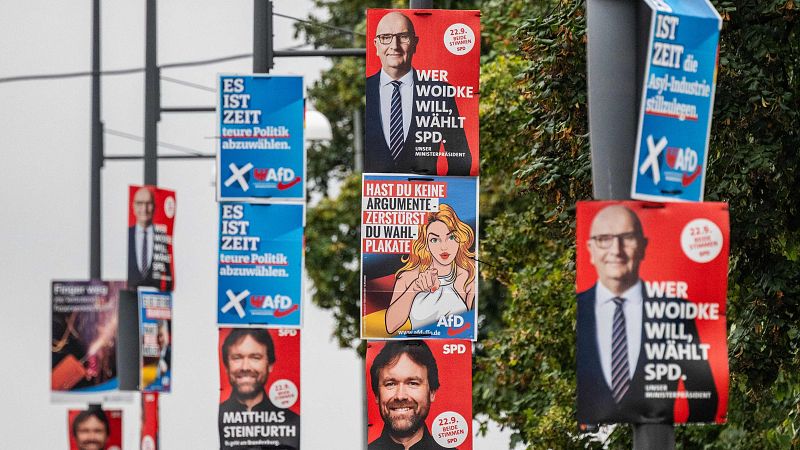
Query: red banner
[(149, 432), (259, 375), (151, 217), (652, 283), (422, 71), (419, 392)]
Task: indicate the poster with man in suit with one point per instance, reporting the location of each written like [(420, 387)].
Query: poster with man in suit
[(151, 217), (422, 92), (651, 337)]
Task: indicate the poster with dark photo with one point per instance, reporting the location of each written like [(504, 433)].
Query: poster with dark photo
[(84, 336)]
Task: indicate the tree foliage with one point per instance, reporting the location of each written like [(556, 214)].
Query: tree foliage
[(535, 164)]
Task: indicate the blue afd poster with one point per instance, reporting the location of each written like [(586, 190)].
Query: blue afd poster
[(261, 156), (260, 276), (677, 101)]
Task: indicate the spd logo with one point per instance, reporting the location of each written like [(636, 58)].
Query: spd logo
[(282, 177)]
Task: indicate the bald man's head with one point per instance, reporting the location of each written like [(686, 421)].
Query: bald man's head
[(396, 42), (616, 247), (143, 206)]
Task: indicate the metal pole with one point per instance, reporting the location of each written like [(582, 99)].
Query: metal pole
[(97, 150), (653, 437), (151, 100), (262, 36), (420, 4), (616, 40), (358, 141)]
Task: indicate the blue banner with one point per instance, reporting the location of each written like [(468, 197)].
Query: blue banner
[(155, 329), (261, 154), (677, 102), (260, 276)]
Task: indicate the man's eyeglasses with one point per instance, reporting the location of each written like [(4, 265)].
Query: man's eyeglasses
[(604, 241), (387, 38)]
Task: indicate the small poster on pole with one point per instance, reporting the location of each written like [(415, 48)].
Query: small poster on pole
[(260, 264), (259, 374), (155, 331), (151, 220), (261, 153), (84, 336), (419, 257), (651, 293), (677, 101), (419, 392), (422, 94), (95, 428)]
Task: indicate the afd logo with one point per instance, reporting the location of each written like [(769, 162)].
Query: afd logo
[(684, 160), (283, 176), (455, 324), (270, 301)]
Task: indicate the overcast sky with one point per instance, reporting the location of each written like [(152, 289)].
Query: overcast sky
[(45, 198)]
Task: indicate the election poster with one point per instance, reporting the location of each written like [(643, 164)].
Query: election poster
[(155, 331), (149, 429), (95, 428), (259, 372), (420, 394), (677, 101), (651, 293), (422, 92), (260, 264), (260, 154), (84, 336), (151, 218), (419, 249)]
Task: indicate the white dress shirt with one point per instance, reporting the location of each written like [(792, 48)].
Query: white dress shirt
[(604, 308), (406, 99), (139, 235)]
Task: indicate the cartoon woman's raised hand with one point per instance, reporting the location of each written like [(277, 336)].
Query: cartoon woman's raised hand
[(427, 281)]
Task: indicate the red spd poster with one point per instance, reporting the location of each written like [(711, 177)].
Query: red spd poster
[(95, 429), (259, 374), (419, 394), (651, 292), (422, 71), (149, 430), (151, 217)]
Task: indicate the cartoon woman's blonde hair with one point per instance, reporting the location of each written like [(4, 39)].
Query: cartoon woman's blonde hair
[(421, 258)]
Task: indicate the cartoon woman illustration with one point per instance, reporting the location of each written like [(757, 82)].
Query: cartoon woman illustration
[(438, 275)]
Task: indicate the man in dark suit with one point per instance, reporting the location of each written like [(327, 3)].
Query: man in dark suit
[(617, 381), (142, 240), (397, 138)]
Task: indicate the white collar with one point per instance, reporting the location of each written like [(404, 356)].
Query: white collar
[(632, 296), (407, 79)]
